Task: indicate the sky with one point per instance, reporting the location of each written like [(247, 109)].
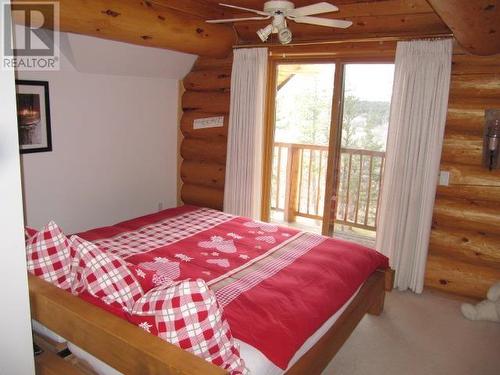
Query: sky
[(372, 82), (367, 82)]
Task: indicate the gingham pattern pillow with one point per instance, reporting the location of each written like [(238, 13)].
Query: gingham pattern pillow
[(103, 275), (187, 314), (48, 255), (29, 232)]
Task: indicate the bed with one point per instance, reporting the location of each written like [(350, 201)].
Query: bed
[(289, 287)]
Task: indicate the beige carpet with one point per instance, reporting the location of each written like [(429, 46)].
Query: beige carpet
[(420, 335)]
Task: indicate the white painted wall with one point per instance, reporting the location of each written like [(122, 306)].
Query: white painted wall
[(114, 140), (16, 350)]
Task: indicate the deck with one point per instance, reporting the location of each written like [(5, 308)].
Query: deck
[(298, 190), (342, 232)]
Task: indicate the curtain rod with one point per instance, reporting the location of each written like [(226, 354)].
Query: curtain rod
[(353, 40)]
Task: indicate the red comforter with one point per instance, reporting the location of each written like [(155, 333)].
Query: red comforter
[(277, 285)]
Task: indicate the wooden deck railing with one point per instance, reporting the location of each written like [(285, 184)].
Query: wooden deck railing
[(298, 183)]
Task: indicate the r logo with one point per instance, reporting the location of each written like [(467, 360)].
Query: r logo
[(34, 46)]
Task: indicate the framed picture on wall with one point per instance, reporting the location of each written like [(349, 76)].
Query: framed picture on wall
[(33, 116)]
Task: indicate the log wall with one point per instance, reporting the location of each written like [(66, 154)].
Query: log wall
[(464, 252), (203, 151)]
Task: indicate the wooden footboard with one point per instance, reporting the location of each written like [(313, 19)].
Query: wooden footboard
[(131, 350), (122, 345), (370, 299)]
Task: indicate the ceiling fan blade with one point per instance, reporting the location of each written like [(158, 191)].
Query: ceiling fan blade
[(262, 13), (322, 21), (237, 19), (309, 10)]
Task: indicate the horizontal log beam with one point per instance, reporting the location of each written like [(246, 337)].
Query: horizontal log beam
[(462, 149), (475, 85), (473, 64), (476, 192), (475, 24), (467, 214), (145, 23), (462, 174), (202, 196), (204, 174), (466, 121), (475, 247), (208, 80), (210, 101), (472, 102), (458, 277), (218, 133), (204, 151), (209, 63)]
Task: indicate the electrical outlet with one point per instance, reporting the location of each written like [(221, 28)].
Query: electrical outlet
[(444, 178), (160, 206)]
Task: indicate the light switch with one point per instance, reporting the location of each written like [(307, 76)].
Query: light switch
[(444, 178)]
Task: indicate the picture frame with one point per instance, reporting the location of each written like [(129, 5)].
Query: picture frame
[(33, 116)]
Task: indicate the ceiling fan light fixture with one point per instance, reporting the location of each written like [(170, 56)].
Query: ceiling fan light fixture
[(285, 35), (265, 32), (279, 11)]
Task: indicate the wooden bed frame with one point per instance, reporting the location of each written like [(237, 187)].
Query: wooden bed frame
[(131, 350)]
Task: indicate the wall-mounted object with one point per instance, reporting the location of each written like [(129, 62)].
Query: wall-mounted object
[(491, 143), (208, 122), (33, 116)]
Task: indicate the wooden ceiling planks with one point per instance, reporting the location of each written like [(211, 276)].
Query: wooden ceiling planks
[(148, 24), (197, 8), (363, 27), (180, 24), (370, 19), (475, 24)]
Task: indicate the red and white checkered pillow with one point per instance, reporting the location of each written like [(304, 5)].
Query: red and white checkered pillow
[(48, 255), (187, 314), (103, 275), (29, 232)]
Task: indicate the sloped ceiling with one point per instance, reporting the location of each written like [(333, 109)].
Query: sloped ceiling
[(87, 54), (100, 56)]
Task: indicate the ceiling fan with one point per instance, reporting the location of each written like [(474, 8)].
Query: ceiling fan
[(281, 11)]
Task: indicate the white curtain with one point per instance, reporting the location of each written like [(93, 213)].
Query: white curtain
[(416, 127), (243, 188)]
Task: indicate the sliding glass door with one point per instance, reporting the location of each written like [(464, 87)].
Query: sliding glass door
[(302, 117), (360, 152), (327, 131)]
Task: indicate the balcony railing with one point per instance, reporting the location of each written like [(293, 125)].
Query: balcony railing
[(298, 183)]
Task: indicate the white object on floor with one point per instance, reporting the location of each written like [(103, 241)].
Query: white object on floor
[(489, 309)]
